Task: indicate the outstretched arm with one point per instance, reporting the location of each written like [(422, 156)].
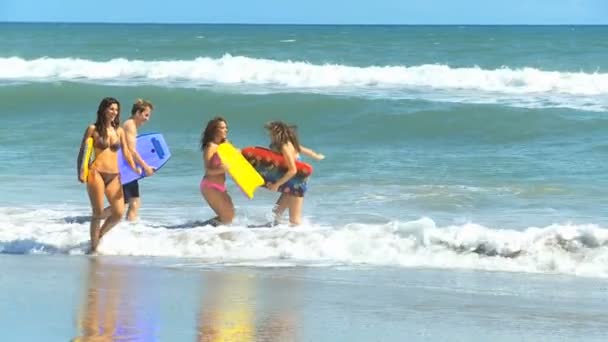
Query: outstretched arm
[(311, 153)]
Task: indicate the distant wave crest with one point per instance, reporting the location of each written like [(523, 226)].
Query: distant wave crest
[(528, 87)]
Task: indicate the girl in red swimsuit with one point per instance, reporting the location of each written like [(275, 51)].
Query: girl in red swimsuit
[(104, 175), (213, 184)]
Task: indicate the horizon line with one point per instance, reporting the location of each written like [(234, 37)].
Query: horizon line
[(281, 24)]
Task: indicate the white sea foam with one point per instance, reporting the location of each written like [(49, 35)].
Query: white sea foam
[(562, 249), (526, 87)]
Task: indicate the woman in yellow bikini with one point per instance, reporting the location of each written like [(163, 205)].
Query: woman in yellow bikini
[(213, 184), (104, 175)]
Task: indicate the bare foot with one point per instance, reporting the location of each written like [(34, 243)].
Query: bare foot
[(92, 249), (213, 222)]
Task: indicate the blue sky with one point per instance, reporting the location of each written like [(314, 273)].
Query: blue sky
[(310, 11)]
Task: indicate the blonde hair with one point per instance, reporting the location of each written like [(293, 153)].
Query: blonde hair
[(140, 105), (282, 133)]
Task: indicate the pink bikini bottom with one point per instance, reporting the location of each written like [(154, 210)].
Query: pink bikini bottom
[(211, 185)]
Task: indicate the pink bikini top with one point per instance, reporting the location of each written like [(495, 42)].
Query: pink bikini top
[(215, 160)]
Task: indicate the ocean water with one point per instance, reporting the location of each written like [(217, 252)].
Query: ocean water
[(448, 147)]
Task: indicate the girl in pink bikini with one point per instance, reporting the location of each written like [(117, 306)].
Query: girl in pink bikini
[(213, 184)]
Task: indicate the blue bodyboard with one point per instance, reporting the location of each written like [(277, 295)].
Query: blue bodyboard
[(153, 150)]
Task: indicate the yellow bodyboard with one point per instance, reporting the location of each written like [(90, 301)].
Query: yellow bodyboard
[(244, 175), (86, 161)]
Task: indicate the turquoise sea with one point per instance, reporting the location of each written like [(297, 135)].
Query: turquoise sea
[(449, 148)]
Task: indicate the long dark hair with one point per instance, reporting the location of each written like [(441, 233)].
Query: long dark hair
[(101, 123), (210, 130), (282, 133)]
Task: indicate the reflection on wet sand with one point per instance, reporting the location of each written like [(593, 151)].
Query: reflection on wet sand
[(282, 304), (108, 312), (227, 309), (124, 302), (234, 308)]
